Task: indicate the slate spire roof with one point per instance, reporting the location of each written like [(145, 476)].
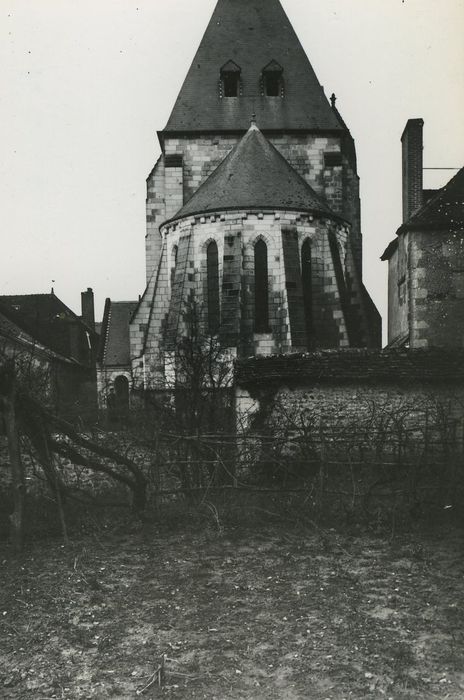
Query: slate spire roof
[(254, 175), (252, 34), (444, 210)]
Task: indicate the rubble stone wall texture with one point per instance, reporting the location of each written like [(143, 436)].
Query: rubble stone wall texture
[(338, 407), (354, 389), (398, 290), (437, 289)]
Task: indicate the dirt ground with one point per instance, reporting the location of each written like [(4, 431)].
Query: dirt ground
[(273, 612)]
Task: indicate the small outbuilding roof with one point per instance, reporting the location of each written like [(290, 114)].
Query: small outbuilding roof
[(254, 175)]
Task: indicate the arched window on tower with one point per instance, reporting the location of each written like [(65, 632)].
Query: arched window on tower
[(229, 85), (272, 80), (261, 288), (307, 284), (173, 264), (212, 276)]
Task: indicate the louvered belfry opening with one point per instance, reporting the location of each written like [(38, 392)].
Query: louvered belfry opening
[(307, 281), (212, 274), (272, 78), (230, 80), (261, 288)]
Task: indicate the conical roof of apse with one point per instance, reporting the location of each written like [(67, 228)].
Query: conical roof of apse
[(251, 34), (254, 176)]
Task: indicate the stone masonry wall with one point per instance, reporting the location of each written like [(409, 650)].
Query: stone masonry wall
[(388, 394), (168, 188), (155, 215), (148, 324), (356, 415), (437, 289), (351, 206), (294, 286), (106, 377), (236, 234), (304, 152), (398, 291)]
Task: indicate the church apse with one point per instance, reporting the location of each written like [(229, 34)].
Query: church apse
[(273, 208)]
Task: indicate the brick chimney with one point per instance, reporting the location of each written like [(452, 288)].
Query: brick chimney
[(412, 140), (88, 309)]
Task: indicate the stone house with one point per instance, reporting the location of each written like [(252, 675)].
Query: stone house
[(41, 329), (426, 259)]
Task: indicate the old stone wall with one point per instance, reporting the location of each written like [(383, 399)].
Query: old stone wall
[(398, 290), (148, 323), (437, 289), (236, 234), (155, 215), (106, 377), (338, 406), (187, 162), (364, 399), (305, 152)]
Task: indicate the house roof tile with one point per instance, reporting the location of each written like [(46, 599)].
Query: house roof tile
[(115, 345), (12, 335), (444, 210), (47, 319)]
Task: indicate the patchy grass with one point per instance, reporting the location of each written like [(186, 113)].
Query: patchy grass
[(283, 613)]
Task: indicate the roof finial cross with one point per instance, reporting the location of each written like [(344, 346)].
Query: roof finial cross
[(253, 120)]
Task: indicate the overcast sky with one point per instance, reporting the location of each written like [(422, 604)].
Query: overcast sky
[(87, 84)]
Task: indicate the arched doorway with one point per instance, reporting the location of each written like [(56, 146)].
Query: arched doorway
[(121, 391)]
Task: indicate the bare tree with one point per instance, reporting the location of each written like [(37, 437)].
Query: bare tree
[(34, 426), (194, 413)]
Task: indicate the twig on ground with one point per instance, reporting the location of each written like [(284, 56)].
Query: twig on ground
[(156, 677)]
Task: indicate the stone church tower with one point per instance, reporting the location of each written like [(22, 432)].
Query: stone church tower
[(253, 209)]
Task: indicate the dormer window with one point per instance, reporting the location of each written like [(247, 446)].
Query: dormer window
[(272, 81), (229, 85)]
